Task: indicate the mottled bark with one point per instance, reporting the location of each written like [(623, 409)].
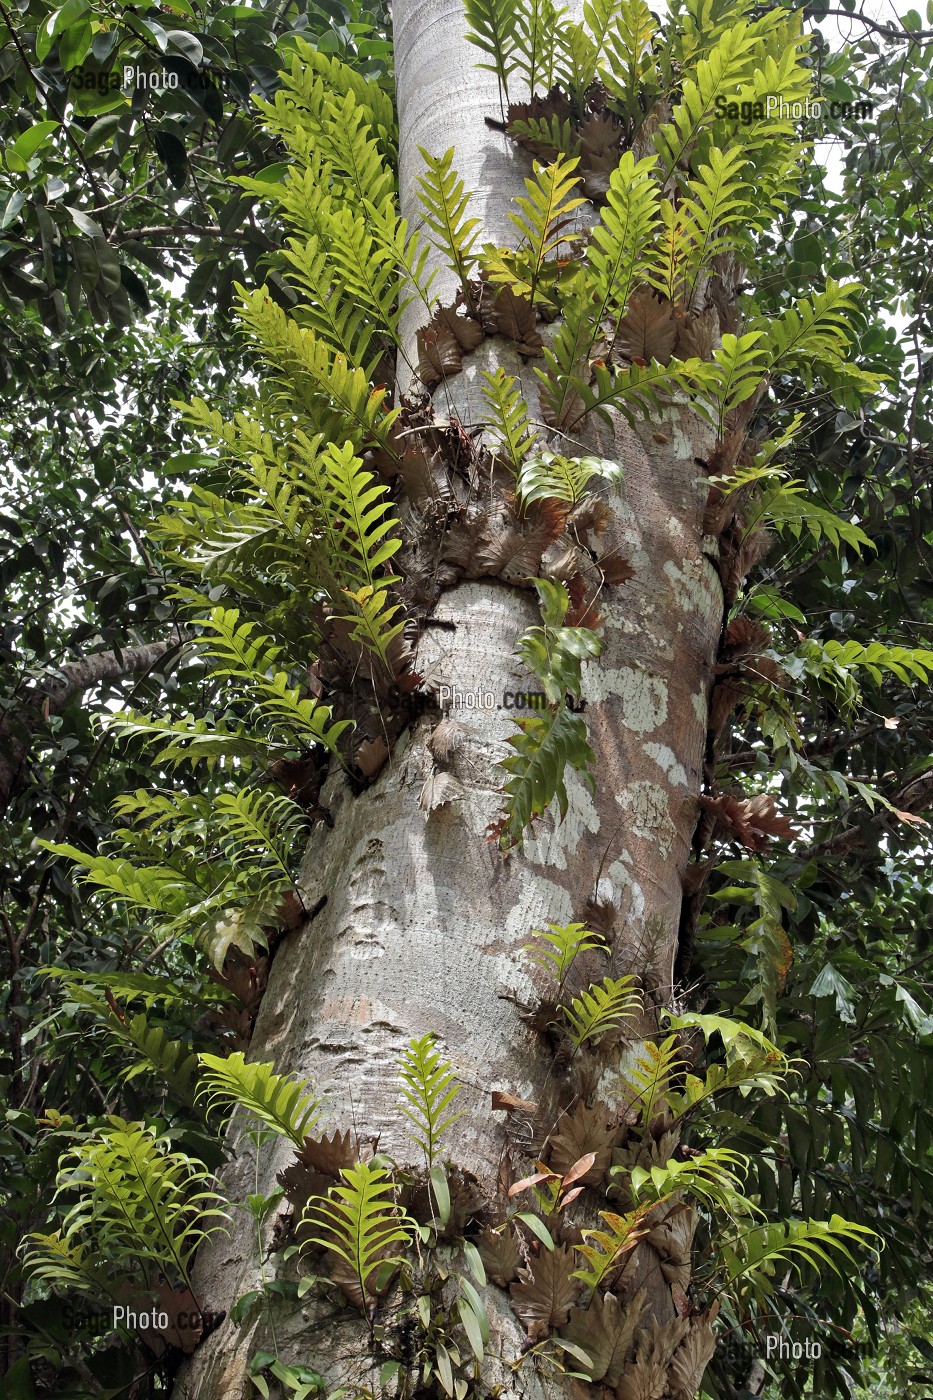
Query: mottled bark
[(424, 919)]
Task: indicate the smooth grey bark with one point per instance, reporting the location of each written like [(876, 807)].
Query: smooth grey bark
[(424, 920)]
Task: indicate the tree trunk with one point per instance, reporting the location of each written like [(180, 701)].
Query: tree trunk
[(424, 919)]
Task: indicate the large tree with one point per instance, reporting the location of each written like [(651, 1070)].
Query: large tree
[(384, 599)]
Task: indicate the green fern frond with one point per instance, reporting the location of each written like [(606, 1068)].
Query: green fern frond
[(492, 27), (619, 254), (508, 415), (604, 1250), (542, 225), (626, 62), (160, 889), (429, 1087), (142, 986), (336, 397), (259, 830), (557, 134), (638, 392), (729, 64), (284, 1104), (360, 1222), (444, 203), (372, 624), (789, 511), (544, 747), (143, 1207), (215, 742), (536, 29), (602, 1008), (362, 524), (750, 1259), (812, 332), (549, 475), (713, 1177), (559, 949), (648, 1081)]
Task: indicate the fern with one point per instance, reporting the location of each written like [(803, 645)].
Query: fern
[(444, 204), (541, 225), (284, 1104), (619, 255), (557, 134), (543, 748), (648, 1081), (360, 1222), (626, 60), (559, 949), (260, 830), (191, 740), (750, 1258), (550, 476), (789, 511), (731, 62), (492, 27), (712, 1177), (141, 1206), (509, 416), (429, 1088), (637, 392), (601, 1009), (555, 653), (604, 1250)]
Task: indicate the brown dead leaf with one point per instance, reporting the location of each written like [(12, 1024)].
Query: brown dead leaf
[(438, 355), (605, 1331), (545, 1295), (500, 1255), (698, 335), (372, 756), (508, 1103), (504, 313), (584, 1131), (647, 331), (754, 821)]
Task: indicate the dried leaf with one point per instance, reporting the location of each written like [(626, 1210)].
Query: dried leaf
[(331, 1155), (673, 1239), (745, 637), (547, 1292), (371, 756), (698, 335), (616, 568), (692, 1357), (752, 820), (445, 739), (438, 789), (646, 1378), (438, 355), (424, 478), (508, 1103), (606, 1332), (466, 330), (500, 1255), (585, 1130), (647, 331), (504, 313)]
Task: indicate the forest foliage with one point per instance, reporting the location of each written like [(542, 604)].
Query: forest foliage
[(119, 232)]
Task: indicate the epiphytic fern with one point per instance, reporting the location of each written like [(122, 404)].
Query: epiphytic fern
[(559, 949), (282, 1103), (508, 416), (555, 653), (444, 203), (543, 749), (750, 1258), (542, 225), (428, 1088), (360, 1221), (143, 1207), (602, 1008), (562, 478)]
